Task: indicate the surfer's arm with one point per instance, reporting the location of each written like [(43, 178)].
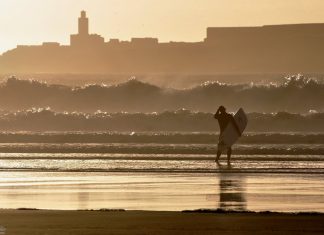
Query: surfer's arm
[(216, 115), (236, 127)]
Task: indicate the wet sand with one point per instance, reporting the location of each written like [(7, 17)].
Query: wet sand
[(147, 196), (145, 222), (162, 191)]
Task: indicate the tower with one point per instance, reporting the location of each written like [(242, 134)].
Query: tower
[(83, 39), (83, 24)]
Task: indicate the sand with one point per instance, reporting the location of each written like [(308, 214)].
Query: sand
[(162, 192), (146, 222)]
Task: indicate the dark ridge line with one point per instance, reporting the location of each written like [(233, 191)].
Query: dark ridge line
[(104, 210), (223, 211), (27, 209), (199, 211)]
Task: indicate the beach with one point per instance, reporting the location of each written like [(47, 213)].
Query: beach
[(277, 192), (146, 222), (144, 188), (160, 203)]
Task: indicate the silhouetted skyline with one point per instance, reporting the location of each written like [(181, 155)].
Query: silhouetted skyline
[(30, 22), (267, 49)]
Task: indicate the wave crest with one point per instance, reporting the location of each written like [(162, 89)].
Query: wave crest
[(182, 120), (296, 94)]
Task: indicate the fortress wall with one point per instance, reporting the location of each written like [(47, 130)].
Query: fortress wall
[(305, 33)]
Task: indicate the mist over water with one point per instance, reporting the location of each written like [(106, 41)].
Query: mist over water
[(296, 94)]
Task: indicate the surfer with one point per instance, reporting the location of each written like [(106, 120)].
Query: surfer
[(224, 119)]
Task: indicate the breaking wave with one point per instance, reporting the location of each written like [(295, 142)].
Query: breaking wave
[(295, 94), (156, 151), (168, 121), (186, 163)]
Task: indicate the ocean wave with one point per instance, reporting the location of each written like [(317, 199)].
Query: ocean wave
[(45, 119), (295, 94), (158, 157), (173, 166), (184, 149), (156, 138)]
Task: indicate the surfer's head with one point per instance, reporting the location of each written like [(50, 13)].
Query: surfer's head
[(222, 109)]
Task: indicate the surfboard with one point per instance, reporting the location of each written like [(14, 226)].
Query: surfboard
[(230, 135)]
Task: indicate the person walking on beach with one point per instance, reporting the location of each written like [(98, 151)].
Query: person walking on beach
[(224, 119)]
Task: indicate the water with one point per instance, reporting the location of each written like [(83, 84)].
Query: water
[(155, 157), (160, 163), (162, 191), (163, 176), (296, 94)]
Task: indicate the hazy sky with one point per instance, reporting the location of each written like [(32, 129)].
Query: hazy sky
[(35, 21)]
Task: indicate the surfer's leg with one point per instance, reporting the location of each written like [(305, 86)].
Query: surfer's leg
[(219, 153), (229, 153), (219, 150)]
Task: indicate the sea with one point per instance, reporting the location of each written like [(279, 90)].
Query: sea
[(282, 172)]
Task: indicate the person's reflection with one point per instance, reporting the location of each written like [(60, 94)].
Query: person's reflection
[(231, 191), (83, 200)]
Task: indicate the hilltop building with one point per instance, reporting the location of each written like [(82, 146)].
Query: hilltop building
[(83, 39), (266, 49)]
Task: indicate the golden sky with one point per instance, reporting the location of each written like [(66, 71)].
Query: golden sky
[(36, 21)]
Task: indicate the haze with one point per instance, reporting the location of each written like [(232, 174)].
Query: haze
[(36, 21)]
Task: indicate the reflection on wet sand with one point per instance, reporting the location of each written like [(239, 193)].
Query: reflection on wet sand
[(231, 189), (167, 192), (83, 199), (231, 193)]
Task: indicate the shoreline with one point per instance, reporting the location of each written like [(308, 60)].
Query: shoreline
[(31, 221), (195, 211)]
